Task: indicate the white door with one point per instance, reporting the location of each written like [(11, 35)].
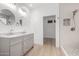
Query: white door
[(49, 30)]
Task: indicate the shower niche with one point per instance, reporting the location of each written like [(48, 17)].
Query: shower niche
[(66, 22)]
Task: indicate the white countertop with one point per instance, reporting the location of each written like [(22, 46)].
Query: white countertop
[(12, 35)]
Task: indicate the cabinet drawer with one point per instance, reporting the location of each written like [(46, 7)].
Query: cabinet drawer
[(29, 36), (15, 40)]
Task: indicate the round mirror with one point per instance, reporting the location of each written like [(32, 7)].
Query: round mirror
[(7, 17)]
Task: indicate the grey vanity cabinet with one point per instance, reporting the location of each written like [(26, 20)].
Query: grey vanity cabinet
[(16, 46)]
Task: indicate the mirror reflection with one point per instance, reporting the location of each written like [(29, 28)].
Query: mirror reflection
[(7, 17)]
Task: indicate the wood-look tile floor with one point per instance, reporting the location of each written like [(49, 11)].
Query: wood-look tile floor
[(48, 49)]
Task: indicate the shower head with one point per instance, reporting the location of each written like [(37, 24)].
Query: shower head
[(74, 12)]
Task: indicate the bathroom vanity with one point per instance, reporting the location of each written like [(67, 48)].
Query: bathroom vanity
[(16, 44)]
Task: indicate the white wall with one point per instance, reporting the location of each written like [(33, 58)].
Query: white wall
[(69, 39), (49, 30), (37, 20)]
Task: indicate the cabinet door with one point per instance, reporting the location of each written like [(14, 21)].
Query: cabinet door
[(16, 49), (25, 47), (28, 43), (4, 47)]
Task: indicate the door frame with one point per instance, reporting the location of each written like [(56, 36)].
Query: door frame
[(56, 31)]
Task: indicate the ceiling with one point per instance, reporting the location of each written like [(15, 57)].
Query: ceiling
[(33, 5)]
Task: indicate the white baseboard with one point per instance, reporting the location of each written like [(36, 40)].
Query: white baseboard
[(66, 54)]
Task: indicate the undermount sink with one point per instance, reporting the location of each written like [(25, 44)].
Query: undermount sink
[(15, 33)]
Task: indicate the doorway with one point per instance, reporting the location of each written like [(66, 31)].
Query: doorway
[(49, 30)]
